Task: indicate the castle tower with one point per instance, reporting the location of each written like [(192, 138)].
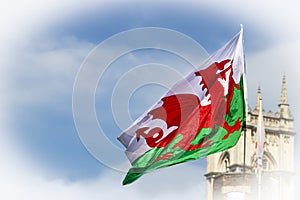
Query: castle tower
[(228, 178)]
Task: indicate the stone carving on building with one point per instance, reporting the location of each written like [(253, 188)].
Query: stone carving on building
[(228, 177)]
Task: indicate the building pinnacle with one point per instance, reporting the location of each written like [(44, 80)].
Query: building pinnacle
[(283, 106), (258, 98), (283, 97)]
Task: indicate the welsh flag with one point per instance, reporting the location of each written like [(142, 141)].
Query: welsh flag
[(201, 115)]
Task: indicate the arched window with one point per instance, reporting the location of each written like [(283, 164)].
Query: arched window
[(269, 162), (224, 162)]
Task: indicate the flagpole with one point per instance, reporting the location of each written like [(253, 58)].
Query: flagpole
[(259, 160), (245, 109), (244, 162), (259, 183)]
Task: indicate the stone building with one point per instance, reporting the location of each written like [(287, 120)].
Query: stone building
[(227, 176)]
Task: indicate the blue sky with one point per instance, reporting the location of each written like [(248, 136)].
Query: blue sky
[(45, 47), (98, 24)]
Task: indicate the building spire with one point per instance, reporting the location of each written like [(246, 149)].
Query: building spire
[(283, 97), (283, 106), (258, 99)]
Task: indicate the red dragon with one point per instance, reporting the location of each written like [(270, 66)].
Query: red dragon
[(186, 112)]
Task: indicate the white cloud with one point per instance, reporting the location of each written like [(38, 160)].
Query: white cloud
[(22, 18), (268, 67), (279, 18), (39, 76), (20, 179)]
